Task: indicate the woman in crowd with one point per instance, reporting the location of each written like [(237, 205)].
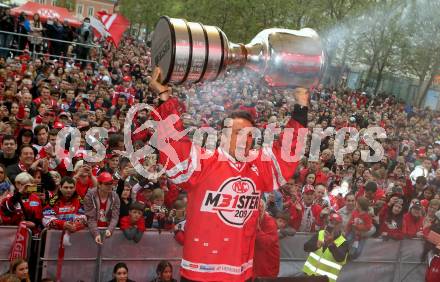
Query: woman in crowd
[(391, 221), (20, 268), (164, 272), (36, 33), (120, 273)]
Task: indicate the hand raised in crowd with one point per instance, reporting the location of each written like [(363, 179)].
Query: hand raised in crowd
[(157, 87), (319, 244)]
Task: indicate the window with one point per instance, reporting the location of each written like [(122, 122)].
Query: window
[(90, 12), (79, 9)]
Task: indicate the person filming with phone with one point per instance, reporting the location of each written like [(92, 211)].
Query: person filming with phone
[(328, 250), (24, 205)]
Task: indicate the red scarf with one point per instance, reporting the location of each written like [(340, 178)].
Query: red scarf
[(20, 245)]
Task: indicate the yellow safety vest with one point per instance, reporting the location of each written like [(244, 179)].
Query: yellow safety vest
[(323, 263)]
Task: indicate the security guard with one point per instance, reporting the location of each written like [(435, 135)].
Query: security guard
[(328, 250)]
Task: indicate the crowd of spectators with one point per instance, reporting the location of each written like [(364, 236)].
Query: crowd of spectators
[(394, 198)]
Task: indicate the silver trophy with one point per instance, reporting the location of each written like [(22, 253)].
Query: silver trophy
[(193, 52)]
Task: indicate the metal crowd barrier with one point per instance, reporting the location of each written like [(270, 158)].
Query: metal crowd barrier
[(380, 261), (7, 235), (86, 261), (40, 54)]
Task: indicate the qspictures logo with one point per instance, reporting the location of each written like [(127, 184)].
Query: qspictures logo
[(234, 202)]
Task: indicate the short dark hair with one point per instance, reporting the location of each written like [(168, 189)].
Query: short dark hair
[(371, 186), (243, 115), (67, 179), (421, 180), (39, 127), (9, 137), (137, 206), (24, 146)]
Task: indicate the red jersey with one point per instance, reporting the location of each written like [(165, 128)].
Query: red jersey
[(12, 212), (360, 222), (223, 199), (412, 225), (82, 188), (267, 249), (128, 92), (59, 211)]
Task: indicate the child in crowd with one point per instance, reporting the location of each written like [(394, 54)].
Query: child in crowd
[(360, 226), (156, 215), (133, 225)]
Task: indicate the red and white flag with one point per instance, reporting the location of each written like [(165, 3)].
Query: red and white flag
[(115, 24)]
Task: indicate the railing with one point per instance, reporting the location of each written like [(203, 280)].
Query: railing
[(35, 54), (7, 236), (380, 260)]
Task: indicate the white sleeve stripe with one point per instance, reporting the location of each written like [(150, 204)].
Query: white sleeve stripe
[(178, 168), (269, 152), (274, 180), (191, 168)]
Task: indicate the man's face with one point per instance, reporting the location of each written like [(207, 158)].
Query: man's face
[(320, 192), (369, 194), (240, 142), (106, 187), (432, 209), (27, 98), (9, 147), (308, 198), (67, 189), (27, 156), (42, 137), (45, 93), (350, 202), (53, 140), (427, 164), (313, 166)]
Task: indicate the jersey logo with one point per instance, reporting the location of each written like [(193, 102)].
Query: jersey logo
[(234, 202)]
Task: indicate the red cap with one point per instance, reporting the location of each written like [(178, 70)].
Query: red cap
[(334, 217), (58, 125), (424, 203), (308, 188), (421, 152), (105, 177), (126, 78)]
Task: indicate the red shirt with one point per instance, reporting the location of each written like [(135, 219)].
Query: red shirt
[(223, 199), (359, 221), (380, 194), (411, 225), (102, 219), (267, 249), (82, 188), (125, 223)]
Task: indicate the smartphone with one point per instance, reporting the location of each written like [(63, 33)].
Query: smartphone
[(32, 188)]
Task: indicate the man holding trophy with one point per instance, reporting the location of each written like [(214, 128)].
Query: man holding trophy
[(224, 188)]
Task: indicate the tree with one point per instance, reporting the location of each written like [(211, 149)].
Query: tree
[(420, 53)]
